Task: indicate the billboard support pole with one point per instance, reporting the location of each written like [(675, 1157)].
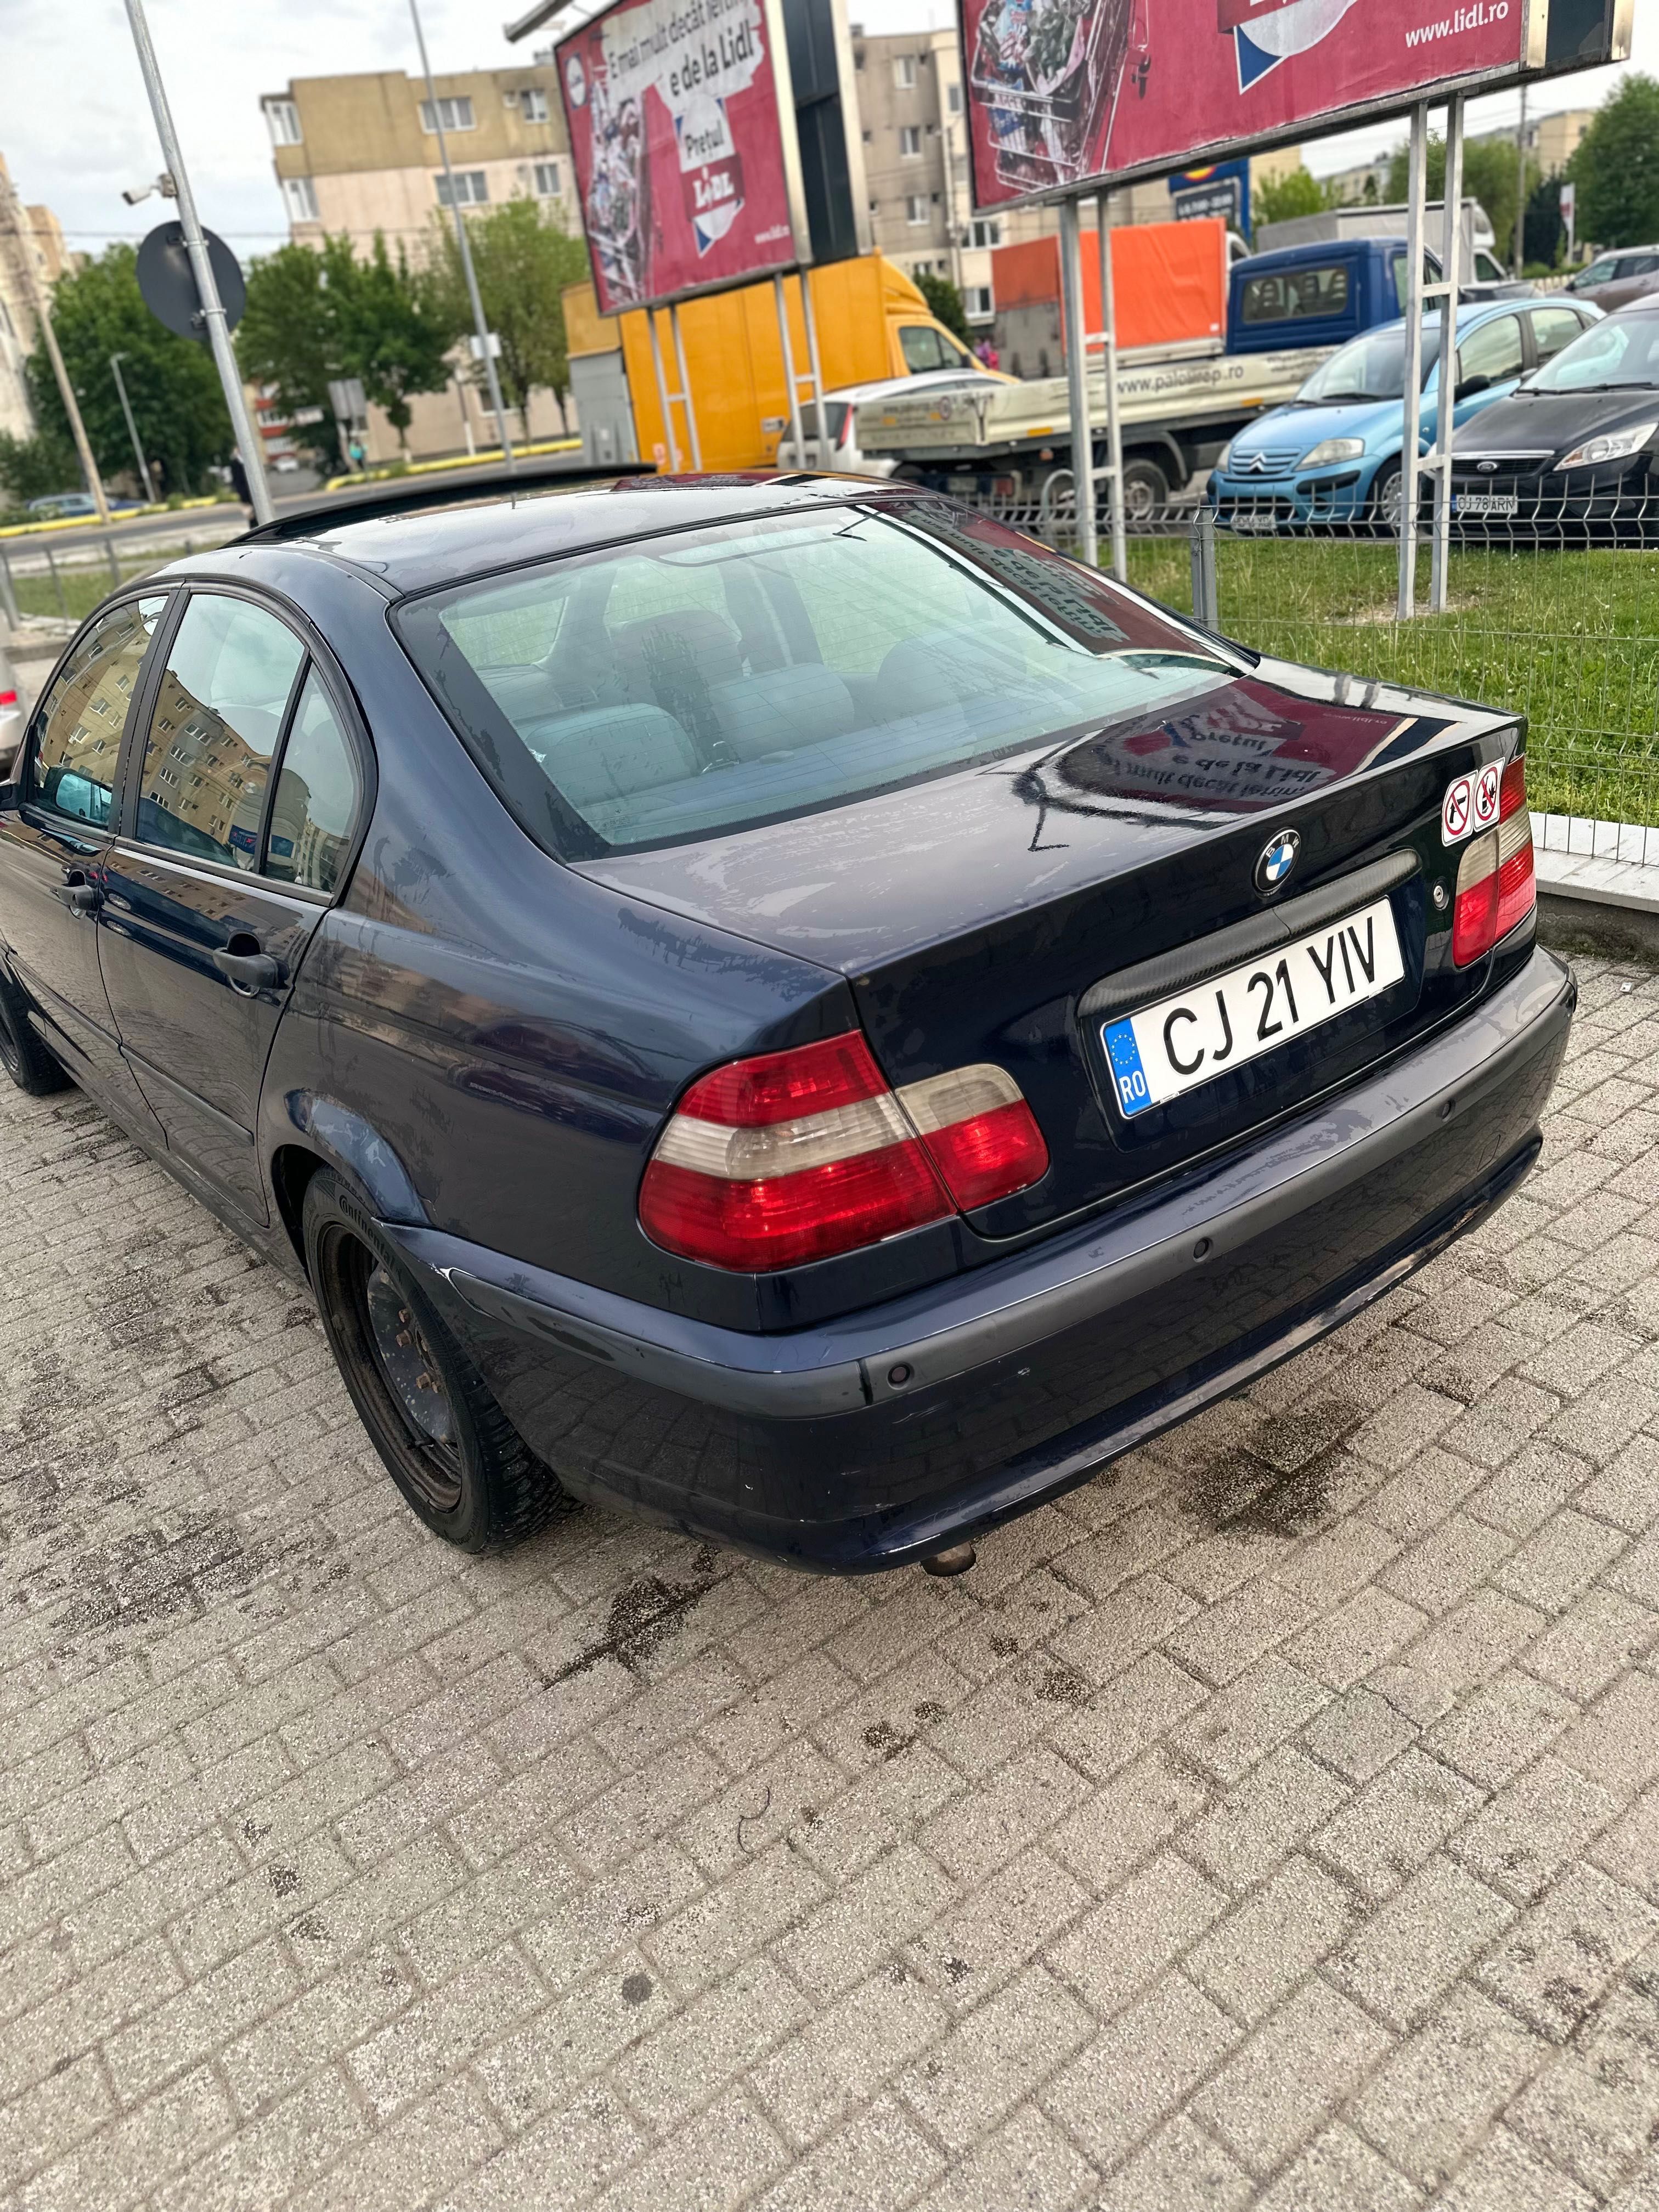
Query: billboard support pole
[(671, 443), (1451, 270), (1415, 194), (685, 391), (1114, 470), (1077, 380), (824, 459), (791, 390)]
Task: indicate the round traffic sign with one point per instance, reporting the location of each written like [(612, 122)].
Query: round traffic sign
[(168, 284)]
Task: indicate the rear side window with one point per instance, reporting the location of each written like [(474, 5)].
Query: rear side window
[(80, 740), (219, 712), (318, 793), (703, 682), (1493, 351), (1296, 295)]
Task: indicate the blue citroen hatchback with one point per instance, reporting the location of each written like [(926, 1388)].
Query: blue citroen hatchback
[(1333, 455), (771, 1002)]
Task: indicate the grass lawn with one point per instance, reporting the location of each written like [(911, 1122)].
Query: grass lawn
[(1570, 640), (84, 587)]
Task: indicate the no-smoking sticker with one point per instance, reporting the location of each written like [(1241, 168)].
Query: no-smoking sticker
[(1487, 785), (1457, 809)]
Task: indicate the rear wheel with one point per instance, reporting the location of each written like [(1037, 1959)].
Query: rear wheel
[(23, 1055), (1145, 490), (446, 1443)]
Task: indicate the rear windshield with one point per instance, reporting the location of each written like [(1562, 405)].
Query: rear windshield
[(1295, 294), (700, 683)]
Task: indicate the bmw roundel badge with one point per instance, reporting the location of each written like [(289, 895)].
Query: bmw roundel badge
[(1277, 858)]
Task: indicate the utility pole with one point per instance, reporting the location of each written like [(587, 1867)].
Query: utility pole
[(207, 288), (14, 213), (479, 323), (115, 361), (1521, 185)]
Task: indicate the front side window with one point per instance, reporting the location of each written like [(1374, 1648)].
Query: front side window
[(1492, 353), (1296, 295), (317, 794), (1624, 350), (718, 679), (82, 720), (218, 715), (923, 349)]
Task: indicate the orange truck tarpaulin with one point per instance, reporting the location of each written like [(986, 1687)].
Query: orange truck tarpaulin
[(1169, 280)]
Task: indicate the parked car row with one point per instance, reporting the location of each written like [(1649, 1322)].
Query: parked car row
[(774, 1003), (1557, 438)]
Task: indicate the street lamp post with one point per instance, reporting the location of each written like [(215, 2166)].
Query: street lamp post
[(207, 288), (467, 271), (115, 361)]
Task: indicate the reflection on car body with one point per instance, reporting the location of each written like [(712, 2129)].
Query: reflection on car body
[(656, 961)]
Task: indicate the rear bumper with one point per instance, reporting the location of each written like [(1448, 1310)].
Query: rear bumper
[(883, 1434)]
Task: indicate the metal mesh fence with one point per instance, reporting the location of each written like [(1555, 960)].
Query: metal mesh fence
[(1555, 615)]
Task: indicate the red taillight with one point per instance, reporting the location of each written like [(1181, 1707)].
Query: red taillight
[(1495, 887), (846, 437), (796, 1156)]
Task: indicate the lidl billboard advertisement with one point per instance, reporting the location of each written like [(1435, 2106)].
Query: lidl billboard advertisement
[(687, 168), (1064, 91)]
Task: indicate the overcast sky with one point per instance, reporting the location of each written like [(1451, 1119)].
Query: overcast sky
[(75, 126)]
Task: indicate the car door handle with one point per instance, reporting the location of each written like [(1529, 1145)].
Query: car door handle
[(79, 897), (249, 972)]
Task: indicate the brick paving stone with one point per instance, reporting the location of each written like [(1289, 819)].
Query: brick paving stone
[(1273, 1822)]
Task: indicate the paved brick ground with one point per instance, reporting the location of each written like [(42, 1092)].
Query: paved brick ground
[(1274, 1822)]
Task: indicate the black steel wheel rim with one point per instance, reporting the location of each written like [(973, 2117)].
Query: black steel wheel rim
[(397, 1370)]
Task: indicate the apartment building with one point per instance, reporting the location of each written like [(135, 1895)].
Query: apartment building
[(359, 155), (33, 257)]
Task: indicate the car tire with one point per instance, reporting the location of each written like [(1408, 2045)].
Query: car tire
[(460, 1462), (1145, 491), (1383, 505), (23, 1055)]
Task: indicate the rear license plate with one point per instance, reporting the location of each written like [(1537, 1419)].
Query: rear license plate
[(1487, 502), (1183, 1041)]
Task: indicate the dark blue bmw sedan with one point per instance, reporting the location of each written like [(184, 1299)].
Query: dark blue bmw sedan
[(774, 1003)]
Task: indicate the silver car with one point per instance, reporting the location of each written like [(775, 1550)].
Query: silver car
[(11, 717)]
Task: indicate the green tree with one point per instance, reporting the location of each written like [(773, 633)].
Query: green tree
[(176, 400), (315, 316), (523, 260), (33, 468), (1616, 168), (944, 305), (1491, 175), (1280, 199)]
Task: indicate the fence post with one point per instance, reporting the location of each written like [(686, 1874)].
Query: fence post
[(1206, 609), (114, 565), (9, 596), (57, 585)]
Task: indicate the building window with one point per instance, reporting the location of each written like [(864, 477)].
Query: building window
[(547, 180), (869, 137), (532, 104), (979, 303), (301, 194), (916, 209), (451, 115), (857, 58), (282, 121), (909, 140), (875, 207), (904, 71), (953, 97), (988, 233), (471, 189)]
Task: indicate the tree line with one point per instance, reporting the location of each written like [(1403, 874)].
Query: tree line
[(393, 322)]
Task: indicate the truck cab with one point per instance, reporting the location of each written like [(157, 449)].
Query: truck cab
[(1318, 294)]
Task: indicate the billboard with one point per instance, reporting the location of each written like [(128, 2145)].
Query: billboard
[(1062, 93), (1222, 190), (683, 139)]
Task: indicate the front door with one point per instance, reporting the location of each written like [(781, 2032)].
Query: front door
[(54, 839), (213, 890)]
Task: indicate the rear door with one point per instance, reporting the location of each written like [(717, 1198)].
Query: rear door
[(54, 839), (241, 803)]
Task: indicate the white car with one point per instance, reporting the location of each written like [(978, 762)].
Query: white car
[(841, 452), (11, 718)]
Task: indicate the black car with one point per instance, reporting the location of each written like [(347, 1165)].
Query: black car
[(772, 1002), (1572, 457)]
